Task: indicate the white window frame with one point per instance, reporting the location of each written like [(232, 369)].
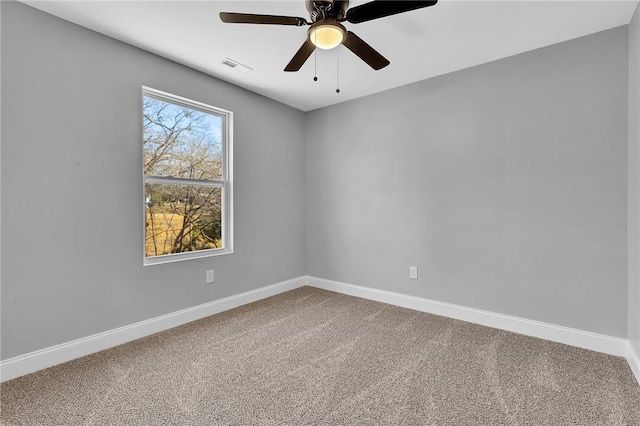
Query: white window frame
[(225, 184)]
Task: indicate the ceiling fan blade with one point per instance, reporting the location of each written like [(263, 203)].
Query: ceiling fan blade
[(364, 51), (301, 56), (250, 18), (380, 8)]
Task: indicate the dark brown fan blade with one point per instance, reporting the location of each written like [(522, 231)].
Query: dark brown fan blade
[(364, 51), (379, 9), (301, 56), (249, 18)]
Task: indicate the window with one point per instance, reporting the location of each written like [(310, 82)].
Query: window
[(186, 163)]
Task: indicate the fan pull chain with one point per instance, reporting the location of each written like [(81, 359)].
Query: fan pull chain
[(338, 72), (315, 65), (315, 59)]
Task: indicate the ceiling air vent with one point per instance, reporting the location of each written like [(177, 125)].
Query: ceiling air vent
[(237, 65)]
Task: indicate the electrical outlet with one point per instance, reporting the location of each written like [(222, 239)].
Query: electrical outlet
[(209, 276), (413, 272)]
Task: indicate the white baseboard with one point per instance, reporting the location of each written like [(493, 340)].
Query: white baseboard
[(555, 333), (633, 358), (44, 358)]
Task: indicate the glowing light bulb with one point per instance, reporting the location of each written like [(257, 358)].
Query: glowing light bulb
[(327, 35)]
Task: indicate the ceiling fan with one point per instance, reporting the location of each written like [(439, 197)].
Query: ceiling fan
[(326, 30)]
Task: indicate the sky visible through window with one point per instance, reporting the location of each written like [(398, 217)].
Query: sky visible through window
[(180, 141)]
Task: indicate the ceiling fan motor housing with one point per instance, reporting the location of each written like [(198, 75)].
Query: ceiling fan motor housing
[(320, 10)]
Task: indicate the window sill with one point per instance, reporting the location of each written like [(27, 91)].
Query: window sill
[(179, 257)]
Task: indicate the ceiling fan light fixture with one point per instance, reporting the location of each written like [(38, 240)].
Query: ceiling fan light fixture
[(327, 35)]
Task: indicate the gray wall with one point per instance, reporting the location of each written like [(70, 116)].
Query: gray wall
[(72, 188), (506, 184), (634, 182)]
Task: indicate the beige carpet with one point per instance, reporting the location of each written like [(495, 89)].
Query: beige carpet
[(310, 357)]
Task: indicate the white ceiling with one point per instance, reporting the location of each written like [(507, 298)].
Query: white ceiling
[(449, 36)]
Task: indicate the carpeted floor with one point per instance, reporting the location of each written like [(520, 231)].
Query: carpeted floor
[(310, 357)]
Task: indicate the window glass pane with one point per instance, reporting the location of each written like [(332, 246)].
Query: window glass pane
[(182, 218), (180, 141)]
